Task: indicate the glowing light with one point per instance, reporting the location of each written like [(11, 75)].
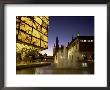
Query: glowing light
[(91, 40), (88, 40), (56, 61), (61, 57), (29, 31), (84, 64), (84, 40)]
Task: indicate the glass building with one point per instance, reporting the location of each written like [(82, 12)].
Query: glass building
[(31, 33)]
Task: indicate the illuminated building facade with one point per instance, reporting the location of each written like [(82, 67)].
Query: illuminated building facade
[(60, 54), (78, 53), (31, 34), (81, 50)]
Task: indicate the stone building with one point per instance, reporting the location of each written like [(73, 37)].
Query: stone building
[(78, 53), (60, 54), (81, 50)]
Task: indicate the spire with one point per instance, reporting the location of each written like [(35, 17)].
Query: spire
[(57, 42), (62, 47), (68, 43), (72, 37)]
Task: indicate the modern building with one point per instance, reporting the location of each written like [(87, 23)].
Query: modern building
[(31, 34), (78, 53)]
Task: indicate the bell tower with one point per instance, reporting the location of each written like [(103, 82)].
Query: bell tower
[(57, 42)]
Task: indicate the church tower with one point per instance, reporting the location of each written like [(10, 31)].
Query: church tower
[(57, 42), (56, 46)]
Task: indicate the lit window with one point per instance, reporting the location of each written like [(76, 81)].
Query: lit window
[(84, 64), (81, 40), (84, 40), (91, 40), (88, 40), (82, 55)]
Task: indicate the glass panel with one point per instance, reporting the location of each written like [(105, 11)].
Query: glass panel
[(22, 26), (21, 36), (32, 28), (38, 42), (27, 20), (41, 17), (35, 41), (44, 31), (24, 37), (28, 38), (47, 17), (38, 20), (24, 18), (35, 25), (45, 20), (39, 28), (44, 25), (36, 33), (44, 38), (26, 28), (43, 44)]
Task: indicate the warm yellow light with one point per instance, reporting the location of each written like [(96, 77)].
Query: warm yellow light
[(20, 46), (56, 61), (32, 30), (38, 20)]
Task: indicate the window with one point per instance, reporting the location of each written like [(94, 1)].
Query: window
[(84, 40), (84, 64), (91, 40), (81, 40), (88, 40)]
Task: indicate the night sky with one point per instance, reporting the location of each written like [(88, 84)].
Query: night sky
[(67, 26)]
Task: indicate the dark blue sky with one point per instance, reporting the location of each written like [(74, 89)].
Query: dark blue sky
[(67, 26)]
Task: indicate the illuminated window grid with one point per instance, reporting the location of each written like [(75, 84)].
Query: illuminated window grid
[(32, 33), (20, 46)]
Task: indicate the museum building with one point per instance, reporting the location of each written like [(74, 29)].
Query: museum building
[(31, 35)]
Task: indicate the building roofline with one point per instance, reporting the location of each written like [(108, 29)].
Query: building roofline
[(79, 37)]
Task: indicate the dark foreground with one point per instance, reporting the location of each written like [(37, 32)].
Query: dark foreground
[(52, 70)]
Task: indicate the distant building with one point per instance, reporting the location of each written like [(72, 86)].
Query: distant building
[(48, 59), (78, 53), (60, 54)]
